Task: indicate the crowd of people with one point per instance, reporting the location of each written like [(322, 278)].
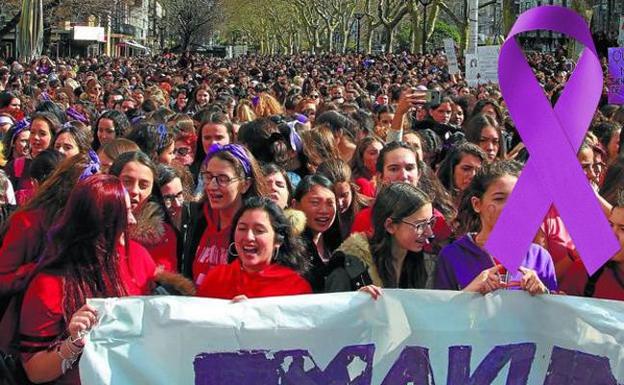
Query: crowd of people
[(266, 176)]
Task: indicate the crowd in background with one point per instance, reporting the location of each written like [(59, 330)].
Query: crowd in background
[(266, 176)]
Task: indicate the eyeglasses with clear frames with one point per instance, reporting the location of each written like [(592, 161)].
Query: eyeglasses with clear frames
[(222, 179), (421, 226)]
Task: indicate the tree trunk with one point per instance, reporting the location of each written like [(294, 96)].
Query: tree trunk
[(368, 38), (389, 38), (433, 17)]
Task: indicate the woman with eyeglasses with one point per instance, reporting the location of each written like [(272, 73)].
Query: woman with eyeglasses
[(466, 265), (154, 228), (175, 193), (229, 174), (391, 256)]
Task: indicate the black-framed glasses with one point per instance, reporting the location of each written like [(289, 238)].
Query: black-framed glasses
[(168, 199), (222, 179), (421, 226)]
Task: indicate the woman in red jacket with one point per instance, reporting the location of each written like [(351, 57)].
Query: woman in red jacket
[(89, 256), (154, 228), (24, 239), (267, 259)]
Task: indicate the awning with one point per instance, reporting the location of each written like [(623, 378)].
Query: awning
[(134, 44)]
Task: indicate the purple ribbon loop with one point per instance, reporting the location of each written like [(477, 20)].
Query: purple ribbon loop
[(552, 136)]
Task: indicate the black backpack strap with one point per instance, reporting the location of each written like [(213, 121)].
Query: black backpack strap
[(590, 286)]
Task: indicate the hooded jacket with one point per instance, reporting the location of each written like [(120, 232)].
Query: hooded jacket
[(352, 266), (156, 235), (461, 261)]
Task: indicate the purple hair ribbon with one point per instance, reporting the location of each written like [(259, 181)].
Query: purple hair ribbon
[(75, 115), (552, 136), (236, 150), (20, 126), (162, 136), (93, 167)]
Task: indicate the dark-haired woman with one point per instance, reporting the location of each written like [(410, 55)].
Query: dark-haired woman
[(230, 174), (350, 201), (25, 235), (392, 257), (466, 265), (153, 229), (364, 163), (89, 256), (155, 140), (43, 128), (484, 131), (267, 259), (459, 167), (110, 125), (278, 183), (316, 198), (73, 139)]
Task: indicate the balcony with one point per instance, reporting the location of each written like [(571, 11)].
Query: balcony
[(125, 29)]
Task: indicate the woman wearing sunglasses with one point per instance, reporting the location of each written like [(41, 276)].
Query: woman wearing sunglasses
[(392, 256)]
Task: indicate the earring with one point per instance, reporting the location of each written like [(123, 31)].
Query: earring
[(276, 252), (232, 251)]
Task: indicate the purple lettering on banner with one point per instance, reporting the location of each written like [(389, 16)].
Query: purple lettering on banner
[(412, 367), (570, 367), (353, 365), (519, 356), (552, 137)]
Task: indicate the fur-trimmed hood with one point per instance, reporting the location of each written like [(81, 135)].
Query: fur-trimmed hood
[(357, 246), (150, 227), (297, 220)]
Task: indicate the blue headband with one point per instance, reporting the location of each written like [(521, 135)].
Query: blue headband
[(236, 150)]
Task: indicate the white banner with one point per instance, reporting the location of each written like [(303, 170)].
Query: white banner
[(406, 337)]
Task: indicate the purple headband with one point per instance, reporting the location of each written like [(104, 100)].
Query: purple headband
[(20, 126), (236, 150), (93, 167), (162, 136), (75, 115)]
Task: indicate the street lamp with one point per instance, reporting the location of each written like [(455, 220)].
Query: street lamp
[(424, 3), (358, 16)]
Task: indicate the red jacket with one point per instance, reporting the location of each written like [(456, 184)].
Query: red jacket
[(228, 281)]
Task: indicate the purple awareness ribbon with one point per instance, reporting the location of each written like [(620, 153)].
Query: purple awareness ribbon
[(552, 137)]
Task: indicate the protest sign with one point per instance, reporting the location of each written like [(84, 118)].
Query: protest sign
[(473, 75), (451, 56), (488, 63), (405, 337), (616, 76), (621, 34)]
